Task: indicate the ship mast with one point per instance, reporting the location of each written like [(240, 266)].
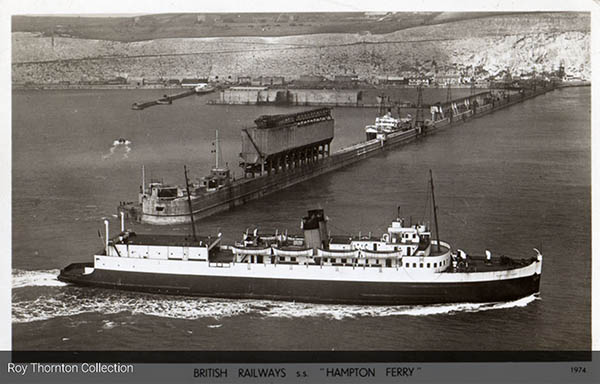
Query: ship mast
[(437, 233), (187, 187), (217, 149)]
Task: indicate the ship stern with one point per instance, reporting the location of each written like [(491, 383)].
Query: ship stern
[(75, 273)]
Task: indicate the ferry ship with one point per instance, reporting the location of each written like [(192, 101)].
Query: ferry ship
[(404, 266)]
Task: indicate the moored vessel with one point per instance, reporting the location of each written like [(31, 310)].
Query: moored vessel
[(386, 124)]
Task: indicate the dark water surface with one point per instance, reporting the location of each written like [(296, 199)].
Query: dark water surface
[(508, 182)]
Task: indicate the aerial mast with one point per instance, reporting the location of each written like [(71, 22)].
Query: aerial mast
[(143, 179), (437, 233)]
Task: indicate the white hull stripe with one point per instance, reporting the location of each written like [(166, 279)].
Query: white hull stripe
[(304, 272)]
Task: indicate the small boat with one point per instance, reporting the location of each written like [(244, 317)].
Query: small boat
[(121, 142)]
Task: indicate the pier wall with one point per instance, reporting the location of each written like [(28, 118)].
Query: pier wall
[(316, 97), (249, 189)]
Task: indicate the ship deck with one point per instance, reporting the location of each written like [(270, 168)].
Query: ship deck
[(166, 240), (476, 263), (502, 263)]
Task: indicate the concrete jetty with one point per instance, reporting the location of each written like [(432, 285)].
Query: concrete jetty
[(274, 170)]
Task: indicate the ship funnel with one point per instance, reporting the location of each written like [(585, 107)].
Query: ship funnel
[(315, 229)]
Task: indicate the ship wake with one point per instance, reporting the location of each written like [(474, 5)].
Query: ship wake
[(121, 147), (76, 301), (39, 278)]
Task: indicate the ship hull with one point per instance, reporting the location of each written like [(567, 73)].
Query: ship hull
[(304, 290)]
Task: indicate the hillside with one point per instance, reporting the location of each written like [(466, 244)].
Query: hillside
[(484, 44), (186, 25)]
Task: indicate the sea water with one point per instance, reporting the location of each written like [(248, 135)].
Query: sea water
[(511, 181)]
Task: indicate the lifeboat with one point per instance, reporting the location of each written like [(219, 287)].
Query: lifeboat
[(345, 254), (381, 254), (293, 252), (256, 251)]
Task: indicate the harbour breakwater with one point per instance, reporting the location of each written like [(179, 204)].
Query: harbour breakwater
[(244, 190), (168, 99)]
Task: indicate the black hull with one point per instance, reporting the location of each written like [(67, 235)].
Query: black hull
[(341, 292)]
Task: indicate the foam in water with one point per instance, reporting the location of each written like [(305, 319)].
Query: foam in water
[(69, 303), (120, 146), (40, 278)]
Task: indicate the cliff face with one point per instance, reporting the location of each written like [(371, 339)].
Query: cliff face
[(519, 42)]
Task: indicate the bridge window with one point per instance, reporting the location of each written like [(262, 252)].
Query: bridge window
[(434, 265), (343, 261), (428, 265), (292, 258), (420, 265), (281, 258), (414, 265), (388, 263)]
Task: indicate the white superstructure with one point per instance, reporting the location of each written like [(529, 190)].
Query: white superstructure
[(403, 254)]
